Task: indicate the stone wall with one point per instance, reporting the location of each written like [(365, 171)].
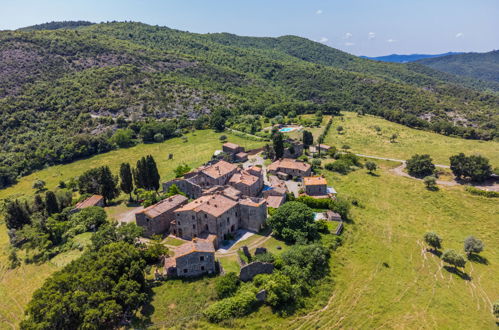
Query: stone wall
[(196, 264), (251, 270)]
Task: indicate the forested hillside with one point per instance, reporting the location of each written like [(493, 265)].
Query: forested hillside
[(483, 66), (64, 92)]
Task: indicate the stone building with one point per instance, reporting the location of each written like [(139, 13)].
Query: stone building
[(232, 148), (155, 219), (323, 147), (249, 181), (315, 186), (192, 259), (290, 167), (218, 215), (204, 177), (253, 213)]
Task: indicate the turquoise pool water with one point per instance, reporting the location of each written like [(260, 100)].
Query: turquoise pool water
[(286, 129)]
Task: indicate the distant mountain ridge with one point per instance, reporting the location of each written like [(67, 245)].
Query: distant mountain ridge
[(396, 58), (482, 66)]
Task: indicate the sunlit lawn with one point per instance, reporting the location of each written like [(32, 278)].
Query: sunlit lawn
[(360, 134)]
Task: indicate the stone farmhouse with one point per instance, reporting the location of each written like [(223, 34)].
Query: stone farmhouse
[(287, 167), (315, 185), (218, 215), (204, 177), (249, 181), (156, 218), (192, 259), (235, 151)]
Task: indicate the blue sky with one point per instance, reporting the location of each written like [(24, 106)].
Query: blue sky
[(360, 27)]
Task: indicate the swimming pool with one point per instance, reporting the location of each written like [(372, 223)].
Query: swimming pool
[(287, 129)]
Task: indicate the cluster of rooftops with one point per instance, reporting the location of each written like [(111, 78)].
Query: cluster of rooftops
[(224, 198)]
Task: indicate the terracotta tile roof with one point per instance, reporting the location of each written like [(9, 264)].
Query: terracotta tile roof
[(219, 169), (215, 205), (244, 177), (231, 145), (254, 202), (196, 245), (163, 206), (275, 201), (91, 201), (314, 181), (241, 154), (288, 163)]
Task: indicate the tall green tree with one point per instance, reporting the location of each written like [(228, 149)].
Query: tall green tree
[(51, 204), (140, 174), (16, 216), (126, 179), (308, 138), (278, 144), (108, 184), (152, 173), (433, 240), (472, 245)]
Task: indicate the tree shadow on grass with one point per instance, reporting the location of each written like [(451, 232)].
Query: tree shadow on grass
[(437, 253), (458, 272), (143, 320), (478, 258), (373, 174), (433, 188)]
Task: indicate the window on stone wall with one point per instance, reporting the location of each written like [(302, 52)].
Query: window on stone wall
[(201, 258), (193, 226), (185, 270), (202, 267)]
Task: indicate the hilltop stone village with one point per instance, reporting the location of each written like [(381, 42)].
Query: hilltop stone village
[(228, 196)]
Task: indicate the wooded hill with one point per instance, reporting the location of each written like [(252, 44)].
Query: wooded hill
[(482, 66), (64, 91)]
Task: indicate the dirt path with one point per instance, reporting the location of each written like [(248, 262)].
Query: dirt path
[(399, 170)]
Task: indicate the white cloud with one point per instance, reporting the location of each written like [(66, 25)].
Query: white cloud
[(391, 40), (323, 40), (348, 35), (319, 12), (459, 35), (349, 44), (371, 35)]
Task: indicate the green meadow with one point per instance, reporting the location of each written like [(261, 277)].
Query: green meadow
[(361, 136), (381, 277)]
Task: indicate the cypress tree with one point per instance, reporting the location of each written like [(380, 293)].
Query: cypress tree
[(152, 174), (126, 180), (278, 144), (51, 205), (108, 184), (139, 174)]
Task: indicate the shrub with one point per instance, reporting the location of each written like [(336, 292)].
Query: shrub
[(236, 306), (279, 289), (227, 285), (339, 166), (480, 192), (264, 257), (430, 182), (475, 167)]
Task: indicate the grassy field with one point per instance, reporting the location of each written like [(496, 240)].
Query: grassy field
[(17, 286), (383, 278), (360, 134), (382, 275)]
